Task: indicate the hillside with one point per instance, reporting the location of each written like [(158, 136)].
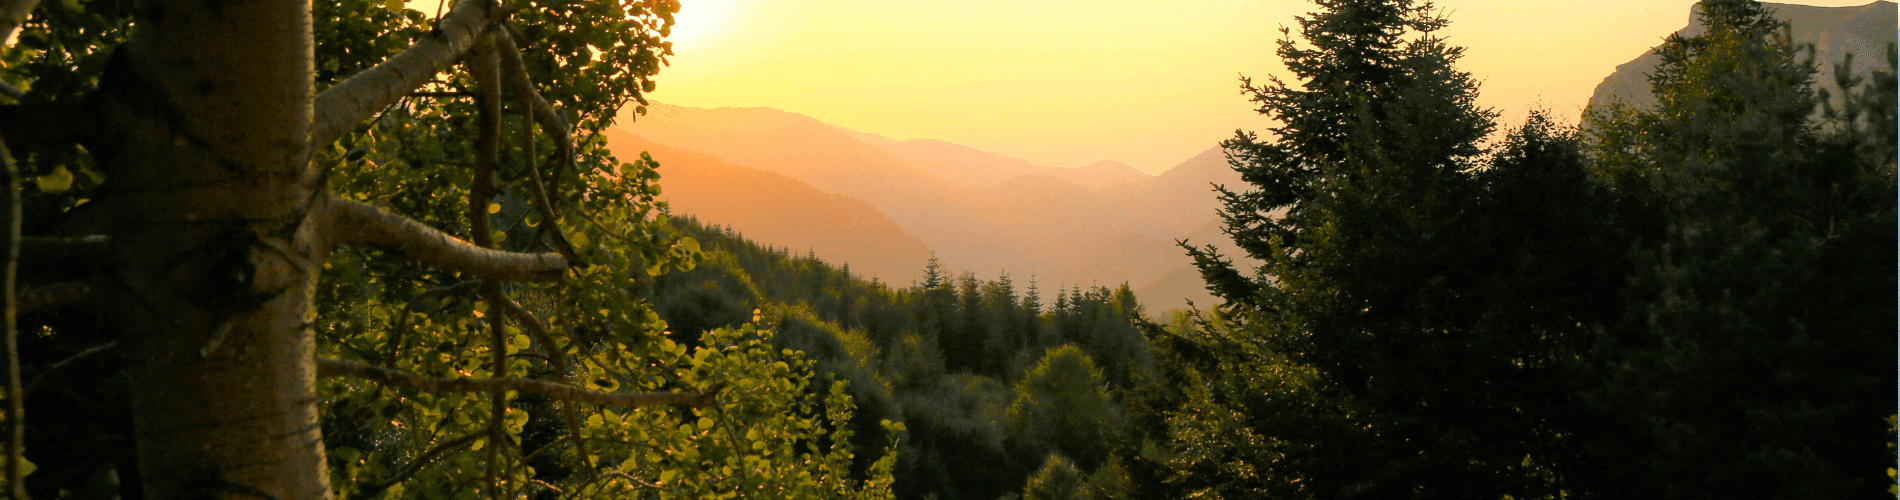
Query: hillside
[(947, 358), (1182, 199), (776, 210), (1836, 31), (1017, 222)]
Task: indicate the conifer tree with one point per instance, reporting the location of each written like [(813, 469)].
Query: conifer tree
[(1382, 349), (1753, 359)]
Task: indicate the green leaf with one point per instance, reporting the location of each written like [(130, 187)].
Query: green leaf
[(56, 182)]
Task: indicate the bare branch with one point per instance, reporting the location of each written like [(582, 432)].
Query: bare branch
[(551, 123), (366, 93), (339, 368), (533, 105), (50, 297), (359, 223), (63, 366), (483, 67)]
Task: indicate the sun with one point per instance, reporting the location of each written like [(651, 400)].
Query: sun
[(703, 22)]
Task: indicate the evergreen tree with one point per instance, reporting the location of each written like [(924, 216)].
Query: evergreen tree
[(1753, 357), (1062, 406), (1400, 339)]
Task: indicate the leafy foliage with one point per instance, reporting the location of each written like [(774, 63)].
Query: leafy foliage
[(985, 381), (775, 433)]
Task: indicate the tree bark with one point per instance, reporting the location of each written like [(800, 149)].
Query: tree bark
[(207, 115)]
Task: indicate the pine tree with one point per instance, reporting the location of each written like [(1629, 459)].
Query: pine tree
[(1386, 339), (1753, 359)]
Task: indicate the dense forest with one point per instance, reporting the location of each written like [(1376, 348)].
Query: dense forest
[(990, 385), (1690, 299)]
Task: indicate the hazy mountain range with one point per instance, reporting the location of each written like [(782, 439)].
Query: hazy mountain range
[(786, 180), (884, 206)]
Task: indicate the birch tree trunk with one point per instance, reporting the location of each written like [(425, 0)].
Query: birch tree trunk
[(207, 116)]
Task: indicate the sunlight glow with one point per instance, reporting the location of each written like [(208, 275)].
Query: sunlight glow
[(701, 23)]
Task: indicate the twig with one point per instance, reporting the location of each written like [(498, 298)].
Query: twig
[(402, 318), (59, 369), (416, 466), (340, 368), (557, 356)]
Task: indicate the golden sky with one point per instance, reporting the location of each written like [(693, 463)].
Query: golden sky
[(1069, 82)]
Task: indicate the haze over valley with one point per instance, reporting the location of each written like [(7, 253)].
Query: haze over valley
[(885, 206)]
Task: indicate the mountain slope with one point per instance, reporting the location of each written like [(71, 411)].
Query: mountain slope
[(977, 169), (1182, 199), (780, 211), (1102, 174), (1035, 225), (1864, 31)]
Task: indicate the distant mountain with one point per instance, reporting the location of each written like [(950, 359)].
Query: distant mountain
[(983, 230), (977, 169), (1102, 174), (1182, 282), (1864, 31), (777, 210), (978, 211), (1182, 199), (969, 167)]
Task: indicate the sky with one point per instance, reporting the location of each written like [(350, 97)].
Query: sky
[(1066, 83)]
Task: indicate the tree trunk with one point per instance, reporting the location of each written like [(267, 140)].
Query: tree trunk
[(207, 116)]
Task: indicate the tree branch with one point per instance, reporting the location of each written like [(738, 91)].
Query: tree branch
[(364, 94), (422, 460), (485, 70), (339, 368), (53, 296), (359, 223), (533, 105), (9, 276), (551, 123), (402, 318), (59, 369), (557, 356)]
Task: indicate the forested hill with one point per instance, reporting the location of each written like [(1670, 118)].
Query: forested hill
[(991, 385)]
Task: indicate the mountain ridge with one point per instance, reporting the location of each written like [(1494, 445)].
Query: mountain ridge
[(1863, 30)]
